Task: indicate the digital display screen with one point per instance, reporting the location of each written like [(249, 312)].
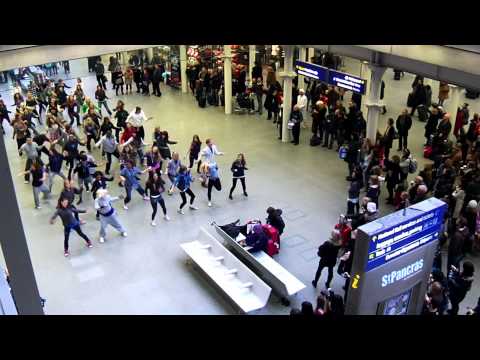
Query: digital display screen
[(405, 234), (347, 81), (310, 70), (397, 305)]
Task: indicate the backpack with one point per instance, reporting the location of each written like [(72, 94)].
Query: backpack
[(342, 152), (412, 166), (321, 250)]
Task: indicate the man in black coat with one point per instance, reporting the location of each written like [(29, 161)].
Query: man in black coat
[(257, 70), (403, 125), (156, 79), (459, 284), (328, 253), (445, 127), (388, 138), (137, 78), (432, 123), (275, 219)]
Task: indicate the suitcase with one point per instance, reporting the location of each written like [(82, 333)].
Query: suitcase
[(470, 94), (422, 113), (202, 101), (315, 140), (410, 100), (273, 245)]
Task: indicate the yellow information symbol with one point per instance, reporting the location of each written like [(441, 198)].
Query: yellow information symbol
[(355, 281)]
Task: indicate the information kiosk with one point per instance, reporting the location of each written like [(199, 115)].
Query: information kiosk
[(393, 258)]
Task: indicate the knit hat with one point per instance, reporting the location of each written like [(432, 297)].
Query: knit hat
[(472, 204), (371, 207)]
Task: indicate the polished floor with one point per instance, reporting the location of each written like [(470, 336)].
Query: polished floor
[(146, 272)]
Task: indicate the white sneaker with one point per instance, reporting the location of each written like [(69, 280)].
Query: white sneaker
[(209, 204), (180, 211), (193, 207), (102, 239), (38, 207), (125, 207), (124, 234), (153, 223), (166, 217), (26, 182)]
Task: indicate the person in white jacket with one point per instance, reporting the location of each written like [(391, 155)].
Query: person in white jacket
[(137, 118), (208, 154), (302, 102)]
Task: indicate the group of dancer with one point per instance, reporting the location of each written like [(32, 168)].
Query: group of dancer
[(60, 142)]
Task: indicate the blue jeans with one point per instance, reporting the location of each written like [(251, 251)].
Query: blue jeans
[(128, 189)]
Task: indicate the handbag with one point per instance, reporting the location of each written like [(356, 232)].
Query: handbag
[(290, 125), (118, 81)]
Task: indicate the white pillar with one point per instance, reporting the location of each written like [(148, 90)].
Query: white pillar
[(183, 68), (125, 59), (149, 54), (288, 74), (227, 76), (365, 73), (302, 53), (453, 102), (251, 62), (373, 103), (311, 54)]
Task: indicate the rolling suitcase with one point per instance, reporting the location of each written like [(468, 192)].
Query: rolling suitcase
[(202, 102), (422, 113)]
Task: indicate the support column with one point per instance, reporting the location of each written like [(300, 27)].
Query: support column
[(14, 245), (288, 75), (311, 54), (373, 103), (301, 56), (149, 55), (183, 68), (227, 77), (365, 73), (125, 58), (453, 102), (251, 62)]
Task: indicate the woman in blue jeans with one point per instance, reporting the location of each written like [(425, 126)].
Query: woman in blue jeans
[(66, 213), (130, 180)]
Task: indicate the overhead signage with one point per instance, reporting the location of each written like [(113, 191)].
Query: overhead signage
[(347, 81), (310, 70), (403, 237)]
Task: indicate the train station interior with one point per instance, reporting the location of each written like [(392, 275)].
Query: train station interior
[(152, 271)]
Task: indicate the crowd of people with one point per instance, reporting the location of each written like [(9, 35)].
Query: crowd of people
[(52, 147), (452, 175)]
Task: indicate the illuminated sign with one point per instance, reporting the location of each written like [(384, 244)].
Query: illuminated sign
[(402, 274), (399, 237), (310, 70), (347, 81)]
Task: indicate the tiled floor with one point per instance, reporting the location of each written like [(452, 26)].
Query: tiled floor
[(146, 273)]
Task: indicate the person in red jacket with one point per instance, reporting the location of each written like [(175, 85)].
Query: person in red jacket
[(129, 132), (344, 227), (461, 119)]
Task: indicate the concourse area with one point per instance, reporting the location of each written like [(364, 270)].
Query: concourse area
[(159, 267)]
